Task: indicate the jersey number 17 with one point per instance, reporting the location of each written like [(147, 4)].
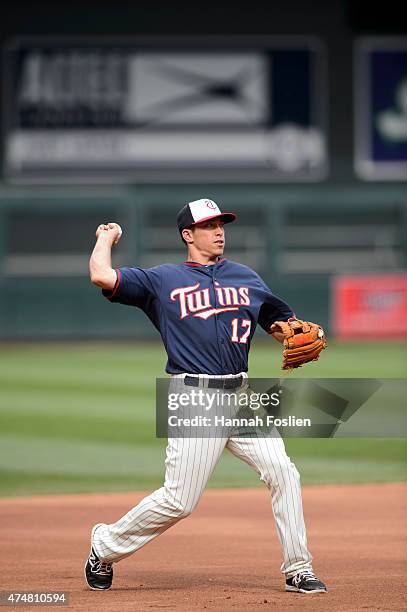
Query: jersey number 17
[(245, 324)]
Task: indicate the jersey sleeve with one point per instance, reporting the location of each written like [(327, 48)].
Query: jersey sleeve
[(273, 308), (135, 286)]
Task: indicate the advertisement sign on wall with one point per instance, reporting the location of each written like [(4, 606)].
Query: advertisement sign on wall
[(369, 306), (165, 109), (380, 90)]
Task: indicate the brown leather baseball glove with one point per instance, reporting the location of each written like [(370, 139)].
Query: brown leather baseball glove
[(303, 341)]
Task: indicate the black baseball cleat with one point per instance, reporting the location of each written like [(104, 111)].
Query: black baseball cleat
[(98, 574), (305, 582)]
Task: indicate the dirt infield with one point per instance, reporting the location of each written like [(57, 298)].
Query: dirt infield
[(224, 557)]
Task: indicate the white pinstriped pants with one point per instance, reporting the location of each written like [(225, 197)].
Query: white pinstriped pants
[(189, 464)]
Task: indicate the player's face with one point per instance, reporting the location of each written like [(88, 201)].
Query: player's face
[(209, 237)]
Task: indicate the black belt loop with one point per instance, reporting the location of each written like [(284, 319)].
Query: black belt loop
[(214, 383)]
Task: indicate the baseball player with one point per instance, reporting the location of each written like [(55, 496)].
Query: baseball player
[(206, 310)]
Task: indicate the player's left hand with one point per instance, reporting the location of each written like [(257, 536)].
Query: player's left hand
[(303, 341)]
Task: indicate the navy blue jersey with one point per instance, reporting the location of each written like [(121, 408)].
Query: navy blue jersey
[(206, 314)]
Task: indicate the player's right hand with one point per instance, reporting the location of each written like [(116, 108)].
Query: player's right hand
[(113, 231)]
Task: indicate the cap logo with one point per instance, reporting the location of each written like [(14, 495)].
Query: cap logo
[(210, 204)]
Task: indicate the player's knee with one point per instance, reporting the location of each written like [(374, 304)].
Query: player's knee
[(179, 508), (182, 510), (185, 511), (283, 472), (289, 470)]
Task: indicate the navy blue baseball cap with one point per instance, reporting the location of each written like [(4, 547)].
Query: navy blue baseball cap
[(201, 210)]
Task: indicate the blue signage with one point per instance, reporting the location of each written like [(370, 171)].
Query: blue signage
[(381, 109)]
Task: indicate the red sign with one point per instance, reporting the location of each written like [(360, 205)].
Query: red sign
[(370, 306)]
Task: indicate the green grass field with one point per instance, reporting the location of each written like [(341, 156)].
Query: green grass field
[(81, 417)]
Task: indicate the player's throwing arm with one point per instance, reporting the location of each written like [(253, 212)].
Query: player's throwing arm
[(100, 264)]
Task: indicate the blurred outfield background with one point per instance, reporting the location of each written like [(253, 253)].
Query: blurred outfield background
[(293, 116), (82, 418)]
